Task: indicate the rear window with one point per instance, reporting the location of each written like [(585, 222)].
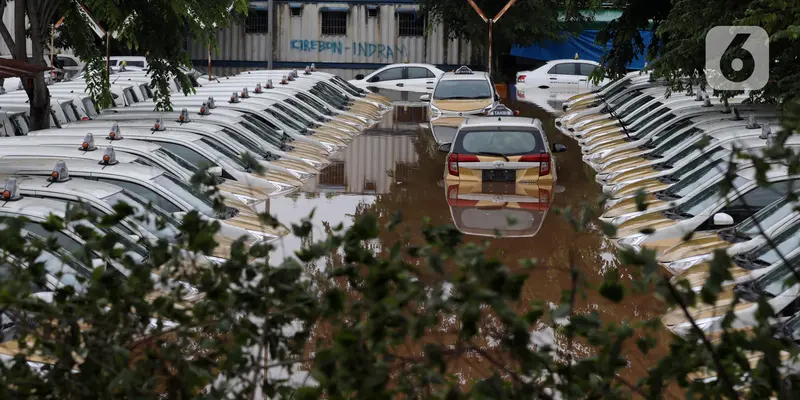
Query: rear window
[(462, 90), (506, 142)]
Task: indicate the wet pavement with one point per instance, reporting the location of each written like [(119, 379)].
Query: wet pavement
[(396, 165)]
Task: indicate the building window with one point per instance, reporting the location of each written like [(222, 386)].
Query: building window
[(372, 11), (334, 23), (297, 11), (333, 175), (411, 24), (256, 21)]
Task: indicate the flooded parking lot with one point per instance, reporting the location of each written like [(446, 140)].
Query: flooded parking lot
[(396, 166)]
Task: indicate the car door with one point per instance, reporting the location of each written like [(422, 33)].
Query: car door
[(419, 79), (390, 78), (563, 76), (584, 70)]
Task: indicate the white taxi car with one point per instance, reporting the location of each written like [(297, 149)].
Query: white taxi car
[(461, 93), (402, 77), (562, 74)]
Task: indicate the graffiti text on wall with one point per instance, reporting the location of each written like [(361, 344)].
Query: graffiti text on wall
[(359, 49)]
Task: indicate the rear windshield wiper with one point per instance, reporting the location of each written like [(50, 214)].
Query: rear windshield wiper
[(486, 153)]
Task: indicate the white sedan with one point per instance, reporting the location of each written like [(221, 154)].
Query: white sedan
[(571, 75), (403, 77)]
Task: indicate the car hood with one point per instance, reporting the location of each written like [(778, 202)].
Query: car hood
[(629, 205), (648, 185), (461, 105), (651, 220), (701, 243)]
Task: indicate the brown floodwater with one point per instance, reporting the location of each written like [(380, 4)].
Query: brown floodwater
[(396, 166)]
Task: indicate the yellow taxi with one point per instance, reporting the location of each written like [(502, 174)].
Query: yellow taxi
[(500, 148), (462, 93)]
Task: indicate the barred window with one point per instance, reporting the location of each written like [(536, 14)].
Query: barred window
[(297, 11), (334, 23), (256, 21), (411, 24), (333, 175)]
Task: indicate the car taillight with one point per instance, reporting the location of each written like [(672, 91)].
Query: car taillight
[(543, 159), (522, 78), (455, 158), (454, 201)]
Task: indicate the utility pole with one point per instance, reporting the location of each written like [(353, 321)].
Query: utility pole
[(270, 30), (490, 22)]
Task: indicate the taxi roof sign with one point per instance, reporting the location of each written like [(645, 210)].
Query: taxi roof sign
[(115, 133), (88, 143), (60, 172), (11, 190), (463, 70), (109, 157), (210, 103), (501, 111)]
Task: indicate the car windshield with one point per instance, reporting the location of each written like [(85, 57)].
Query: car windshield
[(7, 271), (144, 207), (767, 217), (700, 157), (644, 115), (337, 102), (698, 178), (223, 153), (619, 102), (773, 251), (505, 142), (295, 115), (467, 89), (774, 282), (634, 105), (286, 120), (314, 103), (187, 192), (262, 131), (705, 199), (244, 141), (666, 144), (178, 159), (303, 108), (615, 88), (346, 86), (662, 121)]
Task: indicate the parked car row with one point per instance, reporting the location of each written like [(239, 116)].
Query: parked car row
[(285, 123), (689, 161)]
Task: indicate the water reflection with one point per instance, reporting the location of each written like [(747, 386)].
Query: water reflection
[(504, 210), (399, 98), (444, 129)]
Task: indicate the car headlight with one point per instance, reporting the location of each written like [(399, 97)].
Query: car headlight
[(621, 220), (633, 240), (680, 266), (435, 112), (597, 156), (487, 109)]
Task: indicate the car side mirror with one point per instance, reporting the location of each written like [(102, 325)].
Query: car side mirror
[(425, 97), (215, 171), (559, 148), (359, 77), (723, 219), (445, 147)]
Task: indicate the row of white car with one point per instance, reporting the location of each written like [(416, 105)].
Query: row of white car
[(691, 163), (284, 122)]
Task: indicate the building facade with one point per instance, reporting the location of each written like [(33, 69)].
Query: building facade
[(344, 37)]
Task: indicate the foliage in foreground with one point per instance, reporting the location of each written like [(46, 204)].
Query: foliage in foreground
[(375, 325)]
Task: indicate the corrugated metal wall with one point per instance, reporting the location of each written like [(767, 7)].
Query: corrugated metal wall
[(369, 40)]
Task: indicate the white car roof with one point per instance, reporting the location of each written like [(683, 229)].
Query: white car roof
[(79, 167), (61, 138), (50, 153), (84, 187), (131, 133), (34, 208)]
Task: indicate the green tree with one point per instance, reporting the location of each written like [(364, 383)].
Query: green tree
[(527, 21)]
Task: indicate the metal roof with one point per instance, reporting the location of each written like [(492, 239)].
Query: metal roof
[(15, 68)]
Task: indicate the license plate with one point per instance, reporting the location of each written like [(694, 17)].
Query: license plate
[(499, 175), (498, 188)]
